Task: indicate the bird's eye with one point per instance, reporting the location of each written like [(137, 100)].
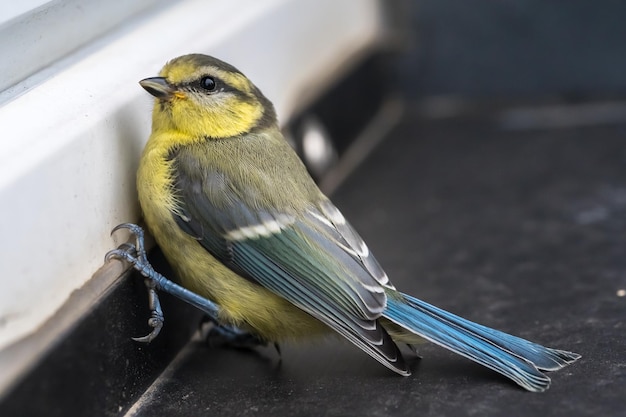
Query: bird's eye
[(208, 83)]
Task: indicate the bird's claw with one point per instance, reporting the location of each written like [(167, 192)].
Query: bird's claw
[(132, 228), (156, 322), (139, 235), (126, 251), (135, 254)]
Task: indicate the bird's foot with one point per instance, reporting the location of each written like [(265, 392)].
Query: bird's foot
[(135, 254), (233, 337), (230, 336)]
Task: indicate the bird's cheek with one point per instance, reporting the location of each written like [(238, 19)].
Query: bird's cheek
[(179, 112)]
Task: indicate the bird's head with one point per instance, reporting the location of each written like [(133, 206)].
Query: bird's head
[(201, 96)]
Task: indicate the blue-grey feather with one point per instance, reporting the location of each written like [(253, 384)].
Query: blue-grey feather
[(509, 355)]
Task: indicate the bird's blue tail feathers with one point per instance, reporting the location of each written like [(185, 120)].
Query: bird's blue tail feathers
[(514, 357)]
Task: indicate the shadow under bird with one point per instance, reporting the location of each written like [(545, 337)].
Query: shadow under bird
[(262, 251)]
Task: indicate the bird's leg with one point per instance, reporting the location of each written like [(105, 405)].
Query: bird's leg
[(129, 252), (156, 314), (137, 257)]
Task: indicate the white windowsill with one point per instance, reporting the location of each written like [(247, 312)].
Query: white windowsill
[(71, 142)]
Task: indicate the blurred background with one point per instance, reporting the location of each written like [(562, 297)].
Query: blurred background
[(523, 48)]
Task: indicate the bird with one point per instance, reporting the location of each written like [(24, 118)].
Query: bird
[(258, 247)]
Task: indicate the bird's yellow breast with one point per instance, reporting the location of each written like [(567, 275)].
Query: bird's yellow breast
[(241, 302)]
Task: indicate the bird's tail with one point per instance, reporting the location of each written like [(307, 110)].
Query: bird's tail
[(509, 355)]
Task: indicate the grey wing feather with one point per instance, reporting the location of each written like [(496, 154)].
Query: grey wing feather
[(313, 259)]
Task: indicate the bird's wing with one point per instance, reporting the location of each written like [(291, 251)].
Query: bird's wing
[(313, 259)]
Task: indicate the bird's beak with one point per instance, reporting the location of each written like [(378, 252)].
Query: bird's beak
[(158, 87)]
